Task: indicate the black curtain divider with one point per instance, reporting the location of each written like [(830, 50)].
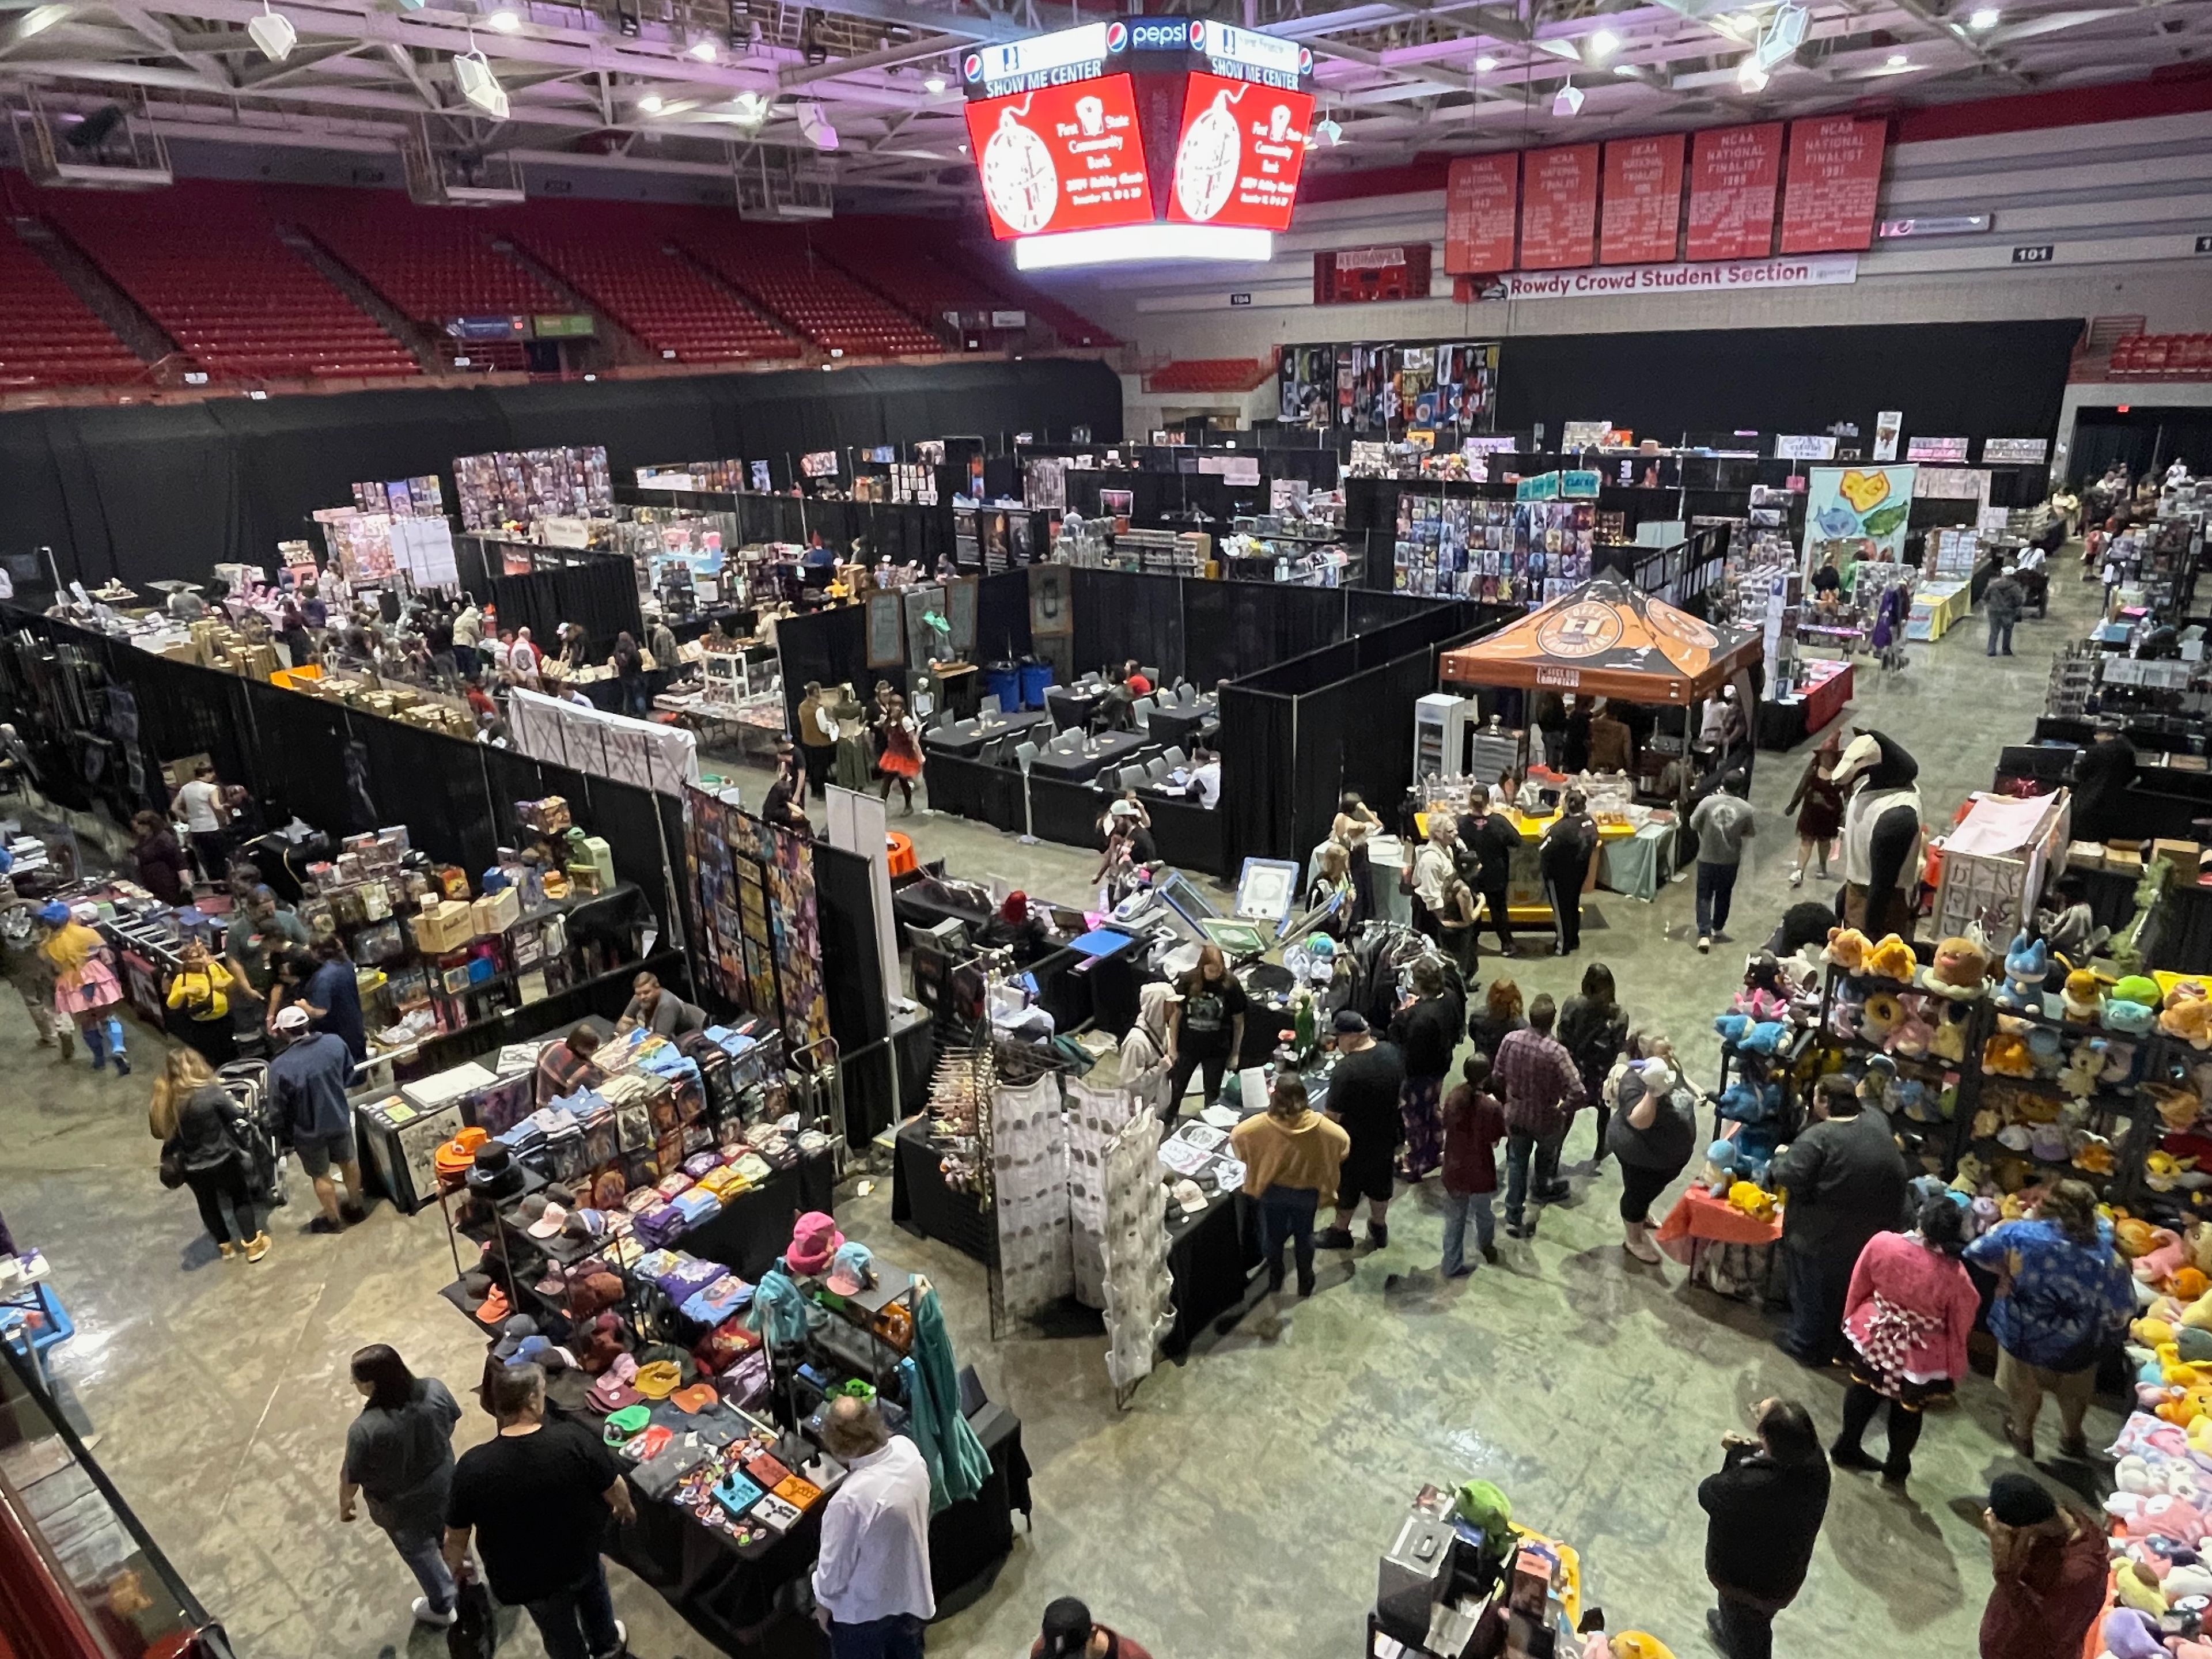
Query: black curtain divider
[(598, 591), (852, 966), (829, 646), (1258, 740), (171, 490), (1120, 614), (1002, 617)]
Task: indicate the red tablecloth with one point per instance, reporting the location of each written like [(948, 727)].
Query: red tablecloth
[(1698, 1216), (1824, 697)]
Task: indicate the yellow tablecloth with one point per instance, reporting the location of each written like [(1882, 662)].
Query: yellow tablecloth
[(1936, 607)]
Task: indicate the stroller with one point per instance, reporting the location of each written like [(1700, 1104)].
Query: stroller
[(246, 1082)]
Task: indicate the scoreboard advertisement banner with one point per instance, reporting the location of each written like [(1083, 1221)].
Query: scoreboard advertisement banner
[(1061, 158), (1239, 153)]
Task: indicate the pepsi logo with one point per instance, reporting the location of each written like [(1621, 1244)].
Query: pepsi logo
[(971, 66), (1306, 60), (1117, 35), (1198, 34)]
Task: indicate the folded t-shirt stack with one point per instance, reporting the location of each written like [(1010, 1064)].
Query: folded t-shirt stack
[(773, 1146), (696, 1205), (724, 1181), (689, 1277), (718, 1301), (663, 1225)]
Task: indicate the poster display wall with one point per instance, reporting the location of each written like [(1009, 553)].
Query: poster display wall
[(761, 939), (1856, 513)]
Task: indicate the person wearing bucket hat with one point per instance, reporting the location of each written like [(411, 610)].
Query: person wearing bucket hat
[(535, 1499), (814, 1240), (2051, 1570), (399, 1455), (85, 985)]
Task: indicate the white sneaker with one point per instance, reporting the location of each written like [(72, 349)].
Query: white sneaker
[(435, 1620), (1705, 945), (1797, 875)]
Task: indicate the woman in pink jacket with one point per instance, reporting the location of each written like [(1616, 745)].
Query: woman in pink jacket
[(1907, 1313)]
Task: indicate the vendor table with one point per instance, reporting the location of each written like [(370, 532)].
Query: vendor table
[(1186, 835), (1212, 1256), (966, 738), (1096, 755), (747, 1234), (1726, 1250), (1785, 722), (922, 1203), (1638, 866), (1179, 726), (753, 1601), (1936, 608), (1074, 705)]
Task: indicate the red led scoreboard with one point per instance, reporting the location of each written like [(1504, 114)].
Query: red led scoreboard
[(1143, 137)]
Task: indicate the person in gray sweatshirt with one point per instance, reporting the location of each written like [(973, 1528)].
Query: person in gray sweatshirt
[(1723, 822)]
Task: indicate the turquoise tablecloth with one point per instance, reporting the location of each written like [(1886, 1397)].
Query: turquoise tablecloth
[(1639, 865)]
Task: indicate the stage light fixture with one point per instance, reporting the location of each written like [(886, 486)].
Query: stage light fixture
[(705, 51), (1604, 44), (1784, 34), (505, 21), (273, 33), (814, 125), (1749, 77), (1559, 48), (751, 109), (1329, 131), (933, 85), (1987, 17), (1897, 60), (1569, 101), (472, 70)]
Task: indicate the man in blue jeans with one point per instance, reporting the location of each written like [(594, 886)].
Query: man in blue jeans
[(2004, 598), (1536, 1079), (536, 1497), (1722, 823)]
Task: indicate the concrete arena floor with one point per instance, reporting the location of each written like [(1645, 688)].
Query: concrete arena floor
[(1236, 1510)]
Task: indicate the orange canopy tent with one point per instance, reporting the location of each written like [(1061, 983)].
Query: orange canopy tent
[(1608, 639)]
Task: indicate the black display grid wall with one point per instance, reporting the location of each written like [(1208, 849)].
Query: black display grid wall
[(171, 490)]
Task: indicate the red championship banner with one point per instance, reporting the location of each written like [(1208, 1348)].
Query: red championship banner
[(1481, 195), (1643, 214), (1734, 172), (1835, 175), (1559, 208)]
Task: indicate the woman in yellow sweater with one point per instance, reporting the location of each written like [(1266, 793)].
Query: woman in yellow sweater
[(201, 988), (1291, 1154)]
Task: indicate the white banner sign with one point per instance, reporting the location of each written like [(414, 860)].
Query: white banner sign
[(1732, 276)]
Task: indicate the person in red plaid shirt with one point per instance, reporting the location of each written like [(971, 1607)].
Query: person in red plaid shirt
[(1536, 1079)]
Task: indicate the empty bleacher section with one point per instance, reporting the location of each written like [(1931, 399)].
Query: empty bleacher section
[(47, 337), (619, 260), (902, 260), (775, 267), (204, 262)]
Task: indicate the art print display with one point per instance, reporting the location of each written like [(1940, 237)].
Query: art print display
[(1856, 513), (763, 939), (1498, 552), (522, 486)]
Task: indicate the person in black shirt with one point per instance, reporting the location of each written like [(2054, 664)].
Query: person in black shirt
[(1364, 1096), (536, 1497), (1427, 1031), (782, 807), (1490, 838), (1209, 1027), (1827, 578), (1765, 1507), (1564, 858)]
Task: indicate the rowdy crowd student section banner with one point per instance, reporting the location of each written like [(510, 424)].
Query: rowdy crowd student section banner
[(1835, 176), (762, 944), (1559, 208), (1643, 200), (1733, 174), (1482, 200)]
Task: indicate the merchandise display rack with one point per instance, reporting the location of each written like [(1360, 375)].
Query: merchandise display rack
[(1931, 1142)]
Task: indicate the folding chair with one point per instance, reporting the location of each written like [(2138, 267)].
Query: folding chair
[(1157, 768), (1176, 758), (990, 705), (1141, 712), (1025, 752), (1132, 777)]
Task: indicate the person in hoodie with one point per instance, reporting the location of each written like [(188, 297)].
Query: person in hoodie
[(1882, 836), (1148, 1050), (1291, 1154)]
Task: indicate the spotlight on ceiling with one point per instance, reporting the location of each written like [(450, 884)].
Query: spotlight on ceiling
[(1328, 130), (1784, 34), (1604, 44), (479, 85), (815, 125), (934, 85), (705, 51), (1557, 48), (1628, 71), (1749, 77), (1987, 17), (273, 33), (1485, 64), (1897, 60), (39, 18), (650, 104), (505, 21), (751, 109), (1570, 100)]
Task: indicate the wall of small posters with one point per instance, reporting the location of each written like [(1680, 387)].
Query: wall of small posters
[(1498, 551), (522, 486), (762, 943), (1383, 391)]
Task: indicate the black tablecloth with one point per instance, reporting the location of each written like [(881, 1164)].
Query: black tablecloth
[(1071, 706), (966, 738), (1211, 1258), (1115, 749), (759, 1607), (923, 1204), (1179, 726), (1188, 835), (746, 1236)]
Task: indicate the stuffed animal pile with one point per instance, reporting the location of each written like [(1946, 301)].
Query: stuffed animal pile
[(1892, 958), (2188, 1014), (2026, 963)]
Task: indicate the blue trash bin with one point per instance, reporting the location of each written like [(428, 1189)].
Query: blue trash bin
[(1003, 682), (1035, 676)]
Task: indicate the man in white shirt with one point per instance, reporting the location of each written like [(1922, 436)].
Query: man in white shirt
[(871, 1579), (522, 658), (1206, 779), (199, 803)]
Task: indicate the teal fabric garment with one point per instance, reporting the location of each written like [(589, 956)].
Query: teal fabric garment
[(777, 1313), (958, 1465)]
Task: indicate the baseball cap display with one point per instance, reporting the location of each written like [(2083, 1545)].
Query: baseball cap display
[(626, 1422), (659, 1378), (851, 1270), (814, 1240), (512, 1334), (699, 1397), (549, 1221)]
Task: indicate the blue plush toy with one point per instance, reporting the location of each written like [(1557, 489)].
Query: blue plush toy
[(1758, 1108), (1752, 1036), (2026, 963)]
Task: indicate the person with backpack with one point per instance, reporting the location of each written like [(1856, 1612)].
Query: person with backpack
[(209, 1144), (1592, 1027)]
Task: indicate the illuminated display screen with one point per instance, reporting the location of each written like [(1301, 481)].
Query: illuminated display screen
[(1238, 153), (1062, 158)]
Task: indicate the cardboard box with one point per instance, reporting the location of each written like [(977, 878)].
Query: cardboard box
[(2084, 855), (2117, 857), (442, 925), (2185, 854), (495, 913)]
